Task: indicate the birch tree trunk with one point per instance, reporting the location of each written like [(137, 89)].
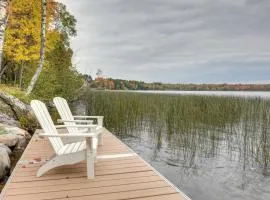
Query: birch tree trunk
[(21, 74), (42, 49), (2, 71), (4, 5)]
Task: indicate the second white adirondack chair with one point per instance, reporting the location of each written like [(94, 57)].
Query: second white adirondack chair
[(70, 153), (66, 115), (68, 119)]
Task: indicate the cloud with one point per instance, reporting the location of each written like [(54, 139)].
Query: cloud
[(172, 40)]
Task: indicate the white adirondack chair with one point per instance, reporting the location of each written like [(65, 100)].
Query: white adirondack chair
[(70, 153), (68, 119)]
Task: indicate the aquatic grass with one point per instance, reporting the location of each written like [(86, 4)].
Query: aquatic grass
[(192, 127)]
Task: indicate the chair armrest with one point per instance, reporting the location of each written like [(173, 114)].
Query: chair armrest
[(99, 118), (76, 121), (69, 135), (88, 117), (77, 126)]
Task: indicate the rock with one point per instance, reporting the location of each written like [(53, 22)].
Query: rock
[(13, 141), (14, 136), (5, 109), (3, 146), (14, 102), (5, 119), (13, 114), (4, 160), (13, 107), (15, 130)]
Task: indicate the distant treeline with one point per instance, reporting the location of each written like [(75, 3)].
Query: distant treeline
[(119, 84)]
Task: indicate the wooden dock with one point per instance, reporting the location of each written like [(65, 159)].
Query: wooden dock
[(115, 178)]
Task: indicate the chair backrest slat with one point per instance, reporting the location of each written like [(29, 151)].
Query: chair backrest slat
[(46, 123), (65, 112)]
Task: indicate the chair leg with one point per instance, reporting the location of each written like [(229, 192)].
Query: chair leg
[(100, 121), (60, 160), (90, 159), (47, 166)]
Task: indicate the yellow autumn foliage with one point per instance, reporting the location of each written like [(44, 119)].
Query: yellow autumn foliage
[(23, 31)]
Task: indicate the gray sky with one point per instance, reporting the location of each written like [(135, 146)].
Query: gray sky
[(199, 41)]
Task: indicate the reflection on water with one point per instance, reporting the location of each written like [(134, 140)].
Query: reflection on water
[(210, 147), (263, 94)]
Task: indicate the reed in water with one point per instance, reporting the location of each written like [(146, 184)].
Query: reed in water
[(191, 127)]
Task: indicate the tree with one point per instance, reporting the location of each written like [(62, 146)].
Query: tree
[(4, 7), (99, 73), (42, 49), (58, 75), (64, 22), (22, 48), (22, 37), (88, 78)]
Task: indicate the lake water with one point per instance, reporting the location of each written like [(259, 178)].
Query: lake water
[(211, 145), (213, 93)]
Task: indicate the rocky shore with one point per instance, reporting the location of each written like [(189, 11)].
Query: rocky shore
[(16, 126)]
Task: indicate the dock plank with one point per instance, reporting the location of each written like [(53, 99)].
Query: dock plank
[(115, 178)]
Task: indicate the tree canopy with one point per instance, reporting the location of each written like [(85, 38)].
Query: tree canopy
[(22, 45)]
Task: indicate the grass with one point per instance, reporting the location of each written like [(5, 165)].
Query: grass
[(193, 126), (15, 91), (20, 94), (172, 111)]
